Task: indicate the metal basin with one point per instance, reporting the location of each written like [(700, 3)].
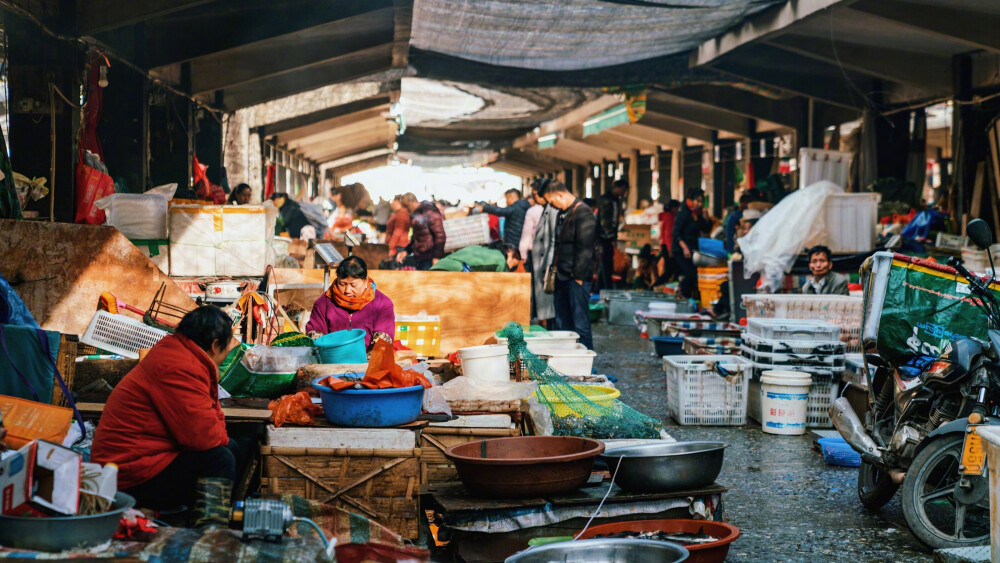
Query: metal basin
[(60, 533), (658, 468), (602, 551), (524, 467)]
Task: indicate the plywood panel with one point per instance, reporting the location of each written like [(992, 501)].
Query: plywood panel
[(472, 305), (60, 270)]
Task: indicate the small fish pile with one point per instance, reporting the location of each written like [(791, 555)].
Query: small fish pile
[(676, 537)]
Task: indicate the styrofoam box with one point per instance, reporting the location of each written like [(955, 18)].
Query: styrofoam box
[(477, 421), (346, 438), (162, 258), (793, 329), (466, 231), (221, 240), (851, 222), (138, 216)]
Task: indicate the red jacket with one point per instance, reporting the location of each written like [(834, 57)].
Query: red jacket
[(397, 230), (167, 404)]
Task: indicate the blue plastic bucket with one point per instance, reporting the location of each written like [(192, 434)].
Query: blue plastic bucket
[(371, 408), (342, 347)]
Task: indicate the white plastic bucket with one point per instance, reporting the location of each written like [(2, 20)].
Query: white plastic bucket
[(485, 363), (784, 396), (571, 362)]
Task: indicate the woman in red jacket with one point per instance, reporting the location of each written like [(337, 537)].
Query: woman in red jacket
[(163, 425)]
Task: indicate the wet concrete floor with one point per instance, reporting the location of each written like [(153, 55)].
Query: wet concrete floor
[(789, 504)]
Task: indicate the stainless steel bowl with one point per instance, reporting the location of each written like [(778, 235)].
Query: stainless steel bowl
[(660, 468), (602, 551)]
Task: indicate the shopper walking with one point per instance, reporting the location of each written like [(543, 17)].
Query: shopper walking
[(611, 208), (427, 242), (574, 260), (688, 227)]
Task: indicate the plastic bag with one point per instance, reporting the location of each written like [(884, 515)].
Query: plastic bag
[(435, 402), (383, 372), (271, 359), (297, 409), (797, 222), (541, 417), (91, 185)]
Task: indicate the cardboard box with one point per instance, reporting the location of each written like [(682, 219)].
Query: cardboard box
[(42, 478), (221, 240), (637, 236)]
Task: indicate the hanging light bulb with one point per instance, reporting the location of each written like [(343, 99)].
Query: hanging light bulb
[(103, 80)]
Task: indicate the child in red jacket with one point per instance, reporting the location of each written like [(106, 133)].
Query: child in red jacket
[(163, 424)]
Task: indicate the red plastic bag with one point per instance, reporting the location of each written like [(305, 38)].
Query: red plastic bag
[(297, 409), (91, 185), (383, 372)]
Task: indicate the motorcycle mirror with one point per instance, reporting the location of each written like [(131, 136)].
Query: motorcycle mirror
[(980, 234)]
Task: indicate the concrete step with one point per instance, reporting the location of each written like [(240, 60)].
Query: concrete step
[(977, 554)]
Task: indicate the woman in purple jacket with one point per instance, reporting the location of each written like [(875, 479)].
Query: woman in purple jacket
[(353, 302)]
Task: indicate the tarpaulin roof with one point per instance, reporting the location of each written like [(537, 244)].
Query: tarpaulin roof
[(566, 35)]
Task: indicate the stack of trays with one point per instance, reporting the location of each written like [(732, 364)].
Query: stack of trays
[(812, 347)]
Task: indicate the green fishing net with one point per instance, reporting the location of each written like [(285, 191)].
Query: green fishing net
[(587, 411)]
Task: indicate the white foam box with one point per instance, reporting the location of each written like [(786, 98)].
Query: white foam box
[(138, 216), (341, 438), (221, 240), (158, 252)]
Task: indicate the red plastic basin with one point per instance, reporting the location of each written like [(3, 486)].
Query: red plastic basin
[(714, 552)]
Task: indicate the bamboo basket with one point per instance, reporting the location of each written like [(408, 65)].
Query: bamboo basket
[(382, 485), (433, 441)]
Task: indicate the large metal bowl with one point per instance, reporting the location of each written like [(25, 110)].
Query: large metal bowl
[(59, 533), (603, 550), (660, 468)]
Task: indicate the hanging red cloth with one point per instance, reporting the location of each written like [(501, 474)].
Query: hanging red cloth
[(204, 188), (92, 109), (751, 178), (91, 183), (269, 181)]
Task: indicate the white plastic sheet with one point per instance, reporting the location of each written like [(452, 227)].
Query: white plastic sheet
[(797, 222)]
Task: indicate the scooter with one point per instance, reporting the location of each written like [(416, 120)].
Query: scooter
[(921, 432)]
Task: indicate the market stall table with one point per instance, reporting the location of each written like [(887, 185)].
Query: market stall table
[(491, 529)]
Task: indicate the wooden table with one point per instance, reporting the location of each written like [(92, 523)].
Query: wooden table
[(233, 414)]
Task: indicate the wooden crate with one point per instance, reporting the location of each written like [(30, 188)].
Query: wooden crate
[(434, 466), (380, 484)]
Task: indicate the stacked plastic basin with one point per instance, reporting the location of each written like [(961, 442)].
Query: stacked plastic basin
[(810, 347)]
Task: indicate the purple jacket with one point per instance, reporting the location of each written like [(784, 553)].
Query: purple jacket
[(377, 316), (428, 237)]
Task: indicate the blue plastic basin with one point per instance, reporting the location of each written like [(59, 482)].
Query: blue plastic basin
[(342, 347), (371, 408), (668, 345)]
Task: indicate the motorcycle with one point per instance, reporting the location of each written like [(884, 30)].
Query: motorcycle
[(920, 433)]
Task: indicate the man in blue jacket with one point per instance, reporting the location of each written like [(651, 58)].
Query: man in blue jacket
[(513, 215)]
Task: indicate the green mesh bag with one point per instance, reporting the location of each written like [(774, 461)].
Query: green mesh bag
[(586, 411)]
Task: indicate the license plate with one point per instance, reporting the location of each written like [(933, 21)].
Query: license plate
[(973, 454)]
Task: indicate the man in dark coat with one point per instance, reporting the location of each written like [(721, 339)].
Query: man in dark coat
[(513, 215), (574, 258), (427, 242)]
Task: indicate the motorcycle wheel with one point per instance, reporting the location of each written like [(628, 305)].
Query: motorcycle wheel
[(875, 487), (938, 512)]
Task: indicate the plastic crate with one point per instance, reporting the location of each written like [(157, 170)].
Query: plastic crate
[(851, 220), (420, 334), (697, 395), (793, 329), (794, 346), (695, 347), (120, 334), (821, 164), (841, 310), (466, 231), (836, 361)]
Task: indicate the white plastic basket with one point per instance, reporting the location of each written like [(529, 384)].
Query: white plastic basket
[(850, 222), (120, 334), (697, 395), (834, 361), (841, 310), (794, 329)]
